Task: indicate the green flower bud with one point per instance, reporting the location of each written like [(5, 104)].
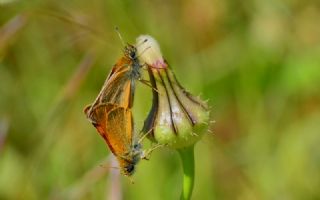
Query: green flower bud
[(177, 118)]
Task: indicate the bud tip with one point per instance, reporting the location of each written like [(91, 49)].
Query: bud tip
[(149, 51)]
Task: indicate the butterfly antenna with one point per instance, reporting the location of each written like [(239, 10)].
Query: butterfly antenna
[(119, 34), (131, 180), (148, 152), (144, 51), (109, 167), (142, 42)]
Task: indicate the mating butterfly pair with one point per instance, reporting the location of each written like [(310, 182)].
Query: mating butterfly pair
[(111, 112)]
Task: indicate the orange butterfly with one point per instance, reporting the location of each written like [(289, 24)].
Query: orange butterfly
[(111, 114), (115, 125), (120, 84)]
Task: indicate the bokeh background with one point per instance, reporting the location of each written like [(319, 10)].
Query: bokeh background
[(258, 62)]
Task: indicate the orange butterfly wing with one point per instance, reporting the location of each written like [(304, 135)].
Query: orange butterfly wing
[(115, 125), (117, 88)]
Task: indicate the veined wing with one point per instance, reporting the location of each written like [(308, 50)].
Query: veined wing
[(118, 88), (115, 125)]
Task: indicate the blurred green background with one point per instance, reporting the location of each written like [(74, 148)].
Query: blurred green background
[(258, 62)]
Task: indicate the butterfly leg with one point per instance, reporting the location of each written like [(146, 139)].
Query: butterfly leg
[(144, 135), (146, 154), (147, 83)]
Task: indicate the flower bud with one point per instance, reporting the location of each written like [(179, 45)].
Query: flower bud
[(177, 118)]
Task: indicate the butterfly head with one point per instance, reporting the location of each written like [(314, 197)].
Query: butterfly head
[(131, 159), (130, 51), (129, 169)]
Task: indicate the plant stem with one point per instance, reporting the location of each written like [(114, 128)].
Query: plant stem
[(187, 158)]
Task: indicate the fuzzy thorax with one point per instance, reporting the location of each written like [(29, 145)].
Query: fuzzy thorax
[(149, 51)]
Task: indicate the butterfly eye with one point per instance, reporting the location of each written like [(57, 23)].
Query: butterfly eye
[(129, 168), (137, 146), (132, 54)]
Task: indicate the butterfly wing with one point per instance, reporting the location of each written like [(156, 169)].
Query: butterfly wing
[(120, 129), (119, 86), (115, 125)]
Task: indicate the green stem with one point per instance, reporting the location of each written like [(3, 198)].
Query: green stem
[(187, 158)]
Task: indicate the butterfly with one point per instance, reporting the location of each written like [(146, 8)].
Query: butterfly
[(115, 124), (111, 114), (120, 84)]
